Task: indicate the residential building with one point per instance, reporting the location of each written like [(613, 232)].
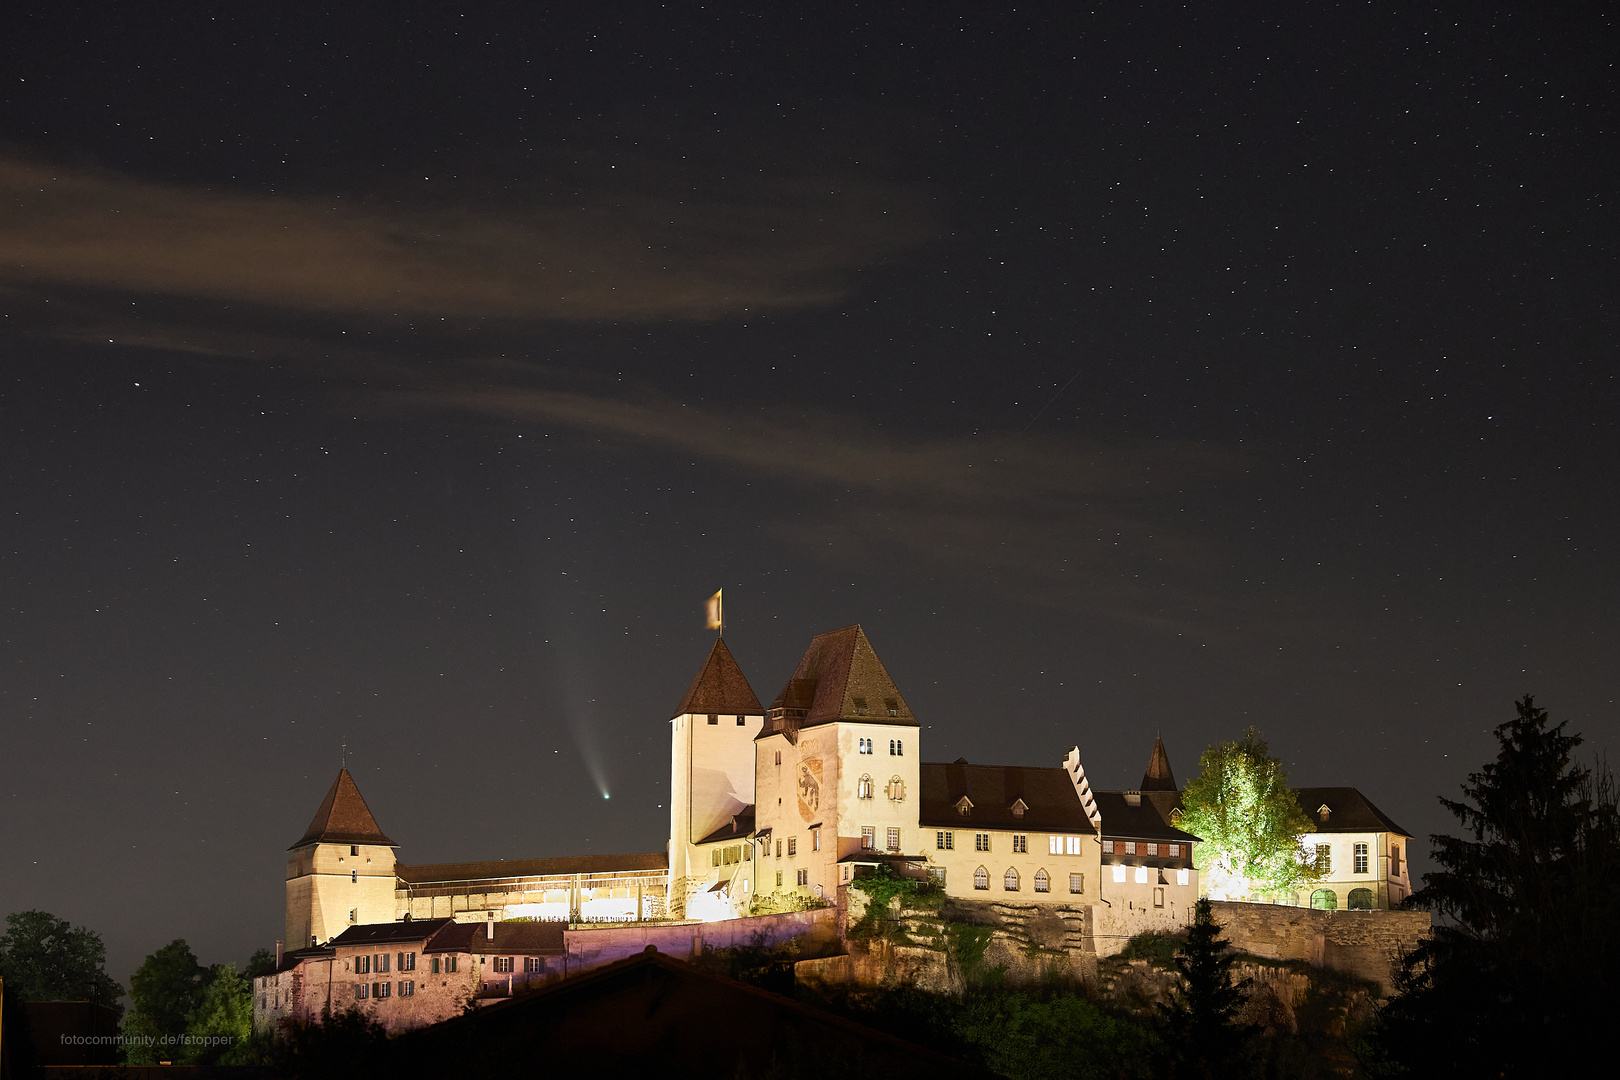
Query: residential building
[(1360, 850)]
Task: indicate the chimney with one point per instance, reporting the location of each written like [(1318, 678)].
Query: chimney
[(490, 926), (278, 954)]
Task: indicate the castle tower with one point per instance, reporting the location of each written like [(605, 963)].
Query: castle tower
[(341, 872), (1158, 776), (837, 773), (711, 773)]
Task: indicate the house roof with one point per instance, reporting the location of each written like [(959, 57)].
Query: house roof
[(992, 789), (839, 677), (503, 869), (512, 938), (646, 1011), (1349, 811), (740, 827), (720, 687), (1145, 821), (389, 932), (343, 818), (1158, 776)]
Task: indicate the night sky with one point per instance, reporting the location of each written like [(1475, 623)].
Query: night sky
[(408, 376)]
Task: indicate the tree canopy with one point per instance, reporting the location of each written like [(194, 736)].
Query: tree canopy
[(43, 958), (1240, 806), (166, 990), (1515, 980)]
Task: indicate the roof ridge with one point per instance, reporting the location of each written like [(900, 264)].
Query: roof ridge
[(344, 817), (719, 686)]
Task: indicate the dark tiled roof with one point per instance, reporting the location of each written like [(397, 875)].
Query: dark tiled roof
[(720, 687), (457, 937), (1351, 812), (389, 932), (343, 818), (839, 678), (1158, 776), (520, 938), (439, 873), (293, 957), (992, 789), (1122, 821), (740, 827)]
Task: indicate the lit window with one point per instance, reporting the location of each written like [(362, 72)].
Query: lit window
[(1054, 845), (1119, 871), (1077, 883), (1324, 858), (945, 841), (1020, 843), (866, 746), (1009, 880), (815, 839), (1130, 847), (897, 789), (714, 718), (1042, 882), (1361, 858), (981, 841), (868, 837), (863, 788), (1141, 875), (1173, 850), (1182, 876), (1108, 847), (534, 965), (1151, 849), (503, 964), (894, 839), (981, 878)]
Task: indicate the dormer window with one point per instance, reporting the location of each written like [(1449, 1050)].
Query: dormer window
[(860, 706), (1018, 807), (1323, 811), (964, 806), (891, 706)]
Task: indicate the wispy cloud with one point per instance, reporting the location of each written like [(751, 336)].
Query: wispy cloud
[(659, 251)]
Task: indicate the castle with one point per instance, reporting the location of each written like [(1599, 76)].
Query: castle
[(772, 809)]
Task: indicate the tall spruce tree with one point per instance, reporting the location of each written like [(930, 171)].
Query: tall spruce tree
[(1202, 1037), (1518, 976)]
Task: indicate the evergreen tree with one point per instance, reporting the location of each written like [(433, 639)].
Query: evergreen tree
[(43, 958), (1202, 1038), (1515, 979), (1241, 807)]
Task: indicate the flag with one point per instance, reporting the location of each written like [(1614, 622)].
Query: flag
[(715, 614)]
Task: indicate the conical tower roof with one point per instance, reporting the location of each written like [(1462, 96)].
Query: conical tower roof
[(839, 678), (1158, 776), (720, 687), (343, 818)]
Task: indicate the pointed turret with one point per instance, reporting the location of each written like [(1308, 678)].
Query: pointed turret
[(343, 818), (839, 678), (720, 687), (1158, 776)]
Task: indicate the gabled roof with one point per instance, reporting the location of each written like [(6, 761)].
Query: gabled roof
[(389, 933), (520, 938), (1158, 776), (1144, 821), (1350, 811), (504, 869), (740, 827), (343, 818), (839, 678), (720, 687), (991, 791)]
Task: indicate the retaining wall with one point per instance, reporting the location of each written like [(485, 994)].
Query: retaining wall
[(1366, 944), (815, 931)]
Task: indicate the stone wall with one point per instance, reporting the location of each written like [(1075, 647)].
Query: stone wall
[(815, 931), (1366, 944)]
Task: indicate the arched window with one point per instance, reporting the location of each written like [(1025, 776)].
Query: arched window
[(981, 878), (1009, 880), (1042, 882), (1325, 900), (897, 789), (863, 788), (1362, 900)]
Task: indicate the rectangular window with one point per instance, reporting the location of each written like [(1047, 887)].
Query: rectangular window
[(1395, 860), (1173, 850), (1077, 883), (1152, 849), (945, 841), (894, 839), (936, 874), (407, 988), (804, 877), (503, 964), (1361, 858), (1130, 847), (899, 746), (868, 837), (815, 839), (434, 966), (1054, 845), (714, 718), (779, 849), (382, 961), (715, 854), (1021, 843), (381, 989), (981, 841), (779, 879), (407, 961), (1141, 875), (354, 849), (450, 964), (1158, 897), (793, 845), (362, 991), (1324, 858), (739, 721), (1182, 876), (362, 965), (1119, 871), (1108, 847), (865, 746), (534, 965)]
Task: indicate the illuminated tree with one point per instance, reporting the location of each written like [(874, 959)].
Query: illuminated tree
[(1249, 821), (1519, 974)]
